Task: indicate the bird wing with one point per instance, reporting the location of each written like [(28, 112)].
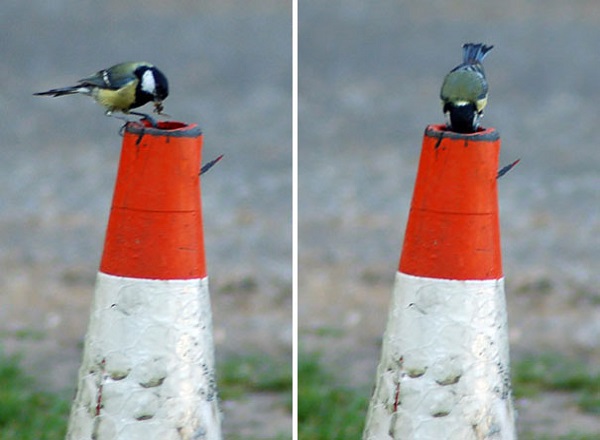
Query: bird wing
[(105, 80), (113, 78)]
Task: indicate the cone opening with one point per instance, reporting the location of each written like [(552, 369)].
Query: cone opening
[(441, 130), (165, 125), (172, 128)]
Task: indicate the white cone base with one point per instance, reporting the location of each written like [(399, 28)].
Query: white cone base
[(444, 369), (148, 364)]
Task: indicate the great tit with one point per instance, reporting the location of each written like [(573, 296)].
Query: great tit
[(465, 90), (121, 88)]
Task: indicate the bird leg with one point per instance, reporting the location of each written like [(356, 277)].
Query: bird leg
[(147, 117)]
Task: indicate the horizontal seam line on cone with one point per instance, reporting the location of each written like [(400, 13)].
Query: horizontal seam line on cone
[(170, 211), (454, 213)]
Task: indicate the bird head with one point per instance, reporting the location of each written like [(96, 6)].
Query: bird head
[(463, 118), (153, 83)]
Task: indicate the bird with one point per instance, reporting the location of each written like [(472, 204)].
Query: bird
[(122, 87), (464, 91)]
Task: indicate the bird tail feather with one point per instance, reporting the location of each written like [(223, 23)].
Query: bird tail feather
[(475, 53), (64, 91)]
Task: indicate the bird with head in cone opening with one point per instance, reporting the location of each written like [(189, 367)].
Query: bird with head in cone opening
[(122, 87), (465, 90)]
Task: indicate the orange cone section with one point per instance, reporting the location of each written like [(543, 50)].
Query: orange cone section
[(155, 225), (453, 227)]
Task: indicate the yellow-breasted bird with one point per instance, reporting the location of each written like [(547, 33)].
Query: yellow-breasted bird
[(121, 88), (465, 90)]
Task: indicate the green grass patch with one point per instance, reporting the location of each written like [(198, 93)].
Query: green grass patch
[(27, 413), (327, 410), (254, 373), (555, 372), (23, 334), (326, 332)]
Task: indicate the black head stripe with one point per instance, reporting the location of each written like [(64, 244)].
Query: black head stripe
[(162, 84)]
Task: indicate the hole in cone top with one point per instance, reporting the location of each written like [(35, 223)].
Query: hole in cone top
[(443, 130), (174, 128), (166, 125)]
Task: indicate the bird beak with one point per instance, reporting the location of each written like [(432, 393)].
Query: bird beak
[(158, 107)]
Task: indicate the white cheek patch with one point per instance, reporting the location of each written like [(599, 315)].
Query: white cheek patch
[(148, 83)]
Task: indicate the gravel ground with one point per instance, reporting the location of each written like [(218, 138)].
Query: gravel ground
[(369, 84), (229, 67)]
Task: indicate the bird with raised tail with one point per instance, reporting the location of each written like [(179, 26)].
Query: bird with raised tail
[(464, 91)]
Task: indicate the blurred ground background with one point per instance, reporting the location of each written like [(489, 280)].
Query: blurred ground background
[(229, 66), (369, 83)]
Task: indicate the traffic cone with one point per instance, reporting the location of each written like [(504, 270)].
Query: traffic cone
[(148, 361), (444, 368)]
